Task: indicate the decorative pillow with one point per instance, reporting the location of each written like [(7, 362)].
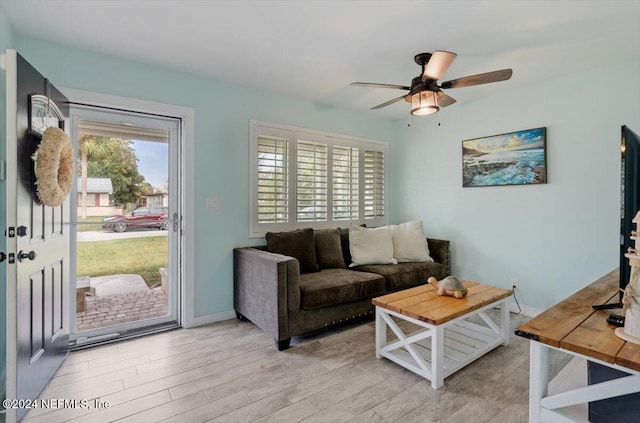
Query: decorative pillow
[(370, 246), (298, 244), (328, 248), (409, 242)]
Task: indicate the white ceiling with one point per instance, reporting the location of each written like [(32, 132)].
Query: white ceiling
[(314, 49)]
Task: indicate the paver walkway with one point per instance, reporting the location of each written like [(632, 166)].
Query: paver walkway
[(109, 310)]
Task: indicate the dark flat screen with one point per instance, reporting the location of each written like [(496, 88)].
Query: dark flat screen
[(629, 195)]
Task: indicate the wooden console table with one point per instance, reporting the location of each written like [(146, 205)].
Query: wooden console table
[(574, 327)]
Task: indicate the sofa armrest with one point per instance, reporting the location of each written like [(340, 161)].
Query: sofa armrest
[(439, 250), (266, 289)]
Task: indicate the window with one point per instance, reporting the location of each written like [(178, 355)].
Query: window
[(272, 180), (345, 165), (311, 182), (302, 178), (373, 184)]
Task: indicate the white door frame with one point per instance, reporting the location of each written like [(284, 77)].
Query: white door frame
[(173, 126), (187, 114)]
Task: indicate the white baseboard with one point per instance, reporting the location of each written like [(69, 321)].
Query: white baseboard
[(212, 318)]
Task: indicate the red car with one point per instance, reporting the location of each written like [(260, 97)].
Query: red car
[(142, 217)]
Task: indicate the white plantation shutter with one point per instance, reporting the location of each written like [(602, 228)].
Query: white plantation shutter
[(345, 171), (374, 187), (311, 182), (273, 180), (301, 178)]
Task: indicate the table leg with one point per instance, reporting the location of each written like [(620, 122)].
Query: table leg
[(504, 319), (437, 357), (538, 379), (381, 332)]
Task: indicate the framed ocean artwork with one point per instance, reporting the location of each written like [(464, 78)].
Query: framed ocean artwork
[(515, 158)]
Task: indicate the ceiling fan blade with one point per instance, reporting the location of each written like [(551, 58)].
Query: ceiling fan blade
[(387, 103), (371, 84), (445, 100), (438, 65), (481, 78)]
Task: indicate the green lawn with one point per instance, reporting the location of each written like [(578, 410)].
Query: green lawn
[(89, 224), (141, 256)]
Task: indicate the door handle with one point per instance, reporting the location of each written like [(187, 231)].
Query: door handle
[(31, 255), (21, 231), (3, 256)]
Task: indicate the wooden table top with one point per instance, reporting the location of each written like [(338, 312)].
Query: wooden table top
[(575, 326), (423, 302)]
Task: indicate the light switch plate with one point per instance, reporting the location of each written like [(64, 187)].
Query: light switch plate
[(213, 204)]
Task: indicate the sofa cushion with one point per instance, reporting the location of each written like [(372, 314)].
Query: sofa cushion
[(405, 275), (370, 246), (328, 248), (338, 286), (409, 242), (298, 244)]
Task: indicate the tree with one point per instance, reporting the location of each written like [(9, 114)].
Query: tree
[(91, 148), (121, 166)]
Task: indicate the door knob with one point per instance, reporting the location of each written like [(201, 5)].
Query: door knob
[(22, 231), (3, 256), (31, 255)]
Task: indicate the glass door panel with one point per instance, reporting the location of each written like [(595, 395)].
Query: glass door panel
[(126, 243)]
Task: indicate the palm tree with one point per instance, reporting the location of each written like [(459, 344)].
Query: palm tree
[(94, 148)]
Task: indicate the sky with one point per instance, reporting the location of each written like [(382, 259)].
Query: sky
[(527, 139), (153, 161)]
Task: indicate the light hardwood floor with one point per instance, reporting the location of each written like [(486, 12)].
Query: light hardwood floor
[(231, 372)]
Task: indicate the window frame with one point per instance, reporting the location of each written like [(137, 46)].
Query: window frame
[(294, 135)]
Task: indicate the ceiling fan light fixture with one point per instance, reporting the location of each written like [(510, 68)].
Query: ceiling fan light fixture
[(424, 103)]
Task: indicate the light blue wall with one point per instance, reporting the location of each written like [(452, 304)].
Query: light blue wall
[(6, 41), (554, 238), (221, 165)]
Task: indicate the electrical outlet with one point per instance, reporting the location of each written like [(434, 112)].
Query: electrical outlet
[(515, 283)]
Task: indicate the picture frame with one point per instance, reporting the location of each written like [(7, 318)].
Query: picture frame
[(512, 158)]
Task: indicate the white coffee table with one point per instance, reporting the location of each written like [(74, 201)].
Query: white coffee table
[(442, 340)]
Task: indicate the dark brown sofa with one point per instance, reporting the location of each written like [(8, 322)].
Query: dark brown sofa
[(270, 291)]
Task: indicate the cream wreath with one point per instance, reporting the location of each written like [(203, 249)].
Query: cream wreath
[(54, 167)]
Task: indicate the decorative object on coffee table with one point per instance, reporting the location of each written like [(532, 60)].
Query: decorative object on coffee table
[(631, 299), (450, 286)]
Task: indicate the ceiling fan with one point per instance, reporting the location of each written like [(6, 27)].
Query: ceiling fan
[(424, 94)]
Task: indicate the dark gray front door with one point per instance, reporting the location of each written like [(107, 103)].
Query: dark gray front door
[(43, 239)]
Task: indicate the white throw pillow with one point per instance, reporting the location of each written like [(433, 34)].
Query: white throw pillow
[(370, 245), (409, 242)]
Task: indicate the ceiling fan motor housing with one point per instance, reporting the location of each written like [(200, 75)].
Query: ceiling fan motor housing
[(417, 86)]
